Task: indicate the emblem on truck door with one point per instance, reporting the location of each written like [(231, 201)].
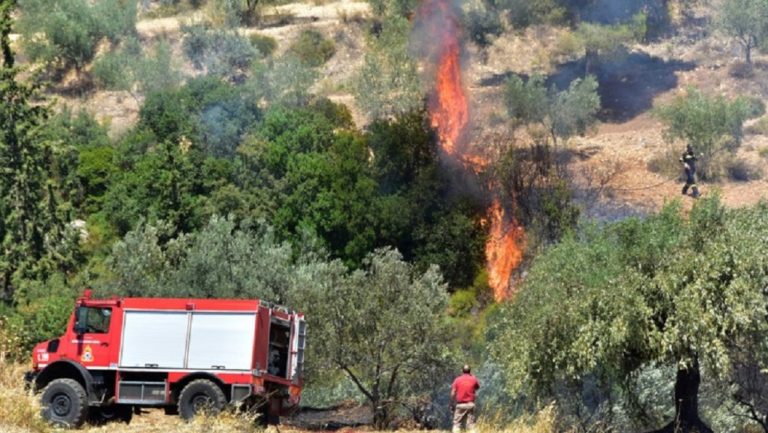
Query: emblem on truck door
[(87, 354)]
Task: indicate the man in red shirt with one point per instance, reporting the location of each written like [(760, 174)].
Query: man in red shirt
[(463, 394)]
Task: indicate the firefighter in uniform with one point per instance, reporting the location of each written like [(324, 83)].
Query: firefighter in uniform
[(463, 397), (689, 165)]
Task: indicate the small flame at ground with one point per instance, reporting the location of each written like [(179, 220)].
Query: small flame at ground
[(449, 115), (503, 251)]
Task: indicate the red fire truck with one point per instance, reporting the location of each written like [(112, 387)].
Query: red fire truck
[(185, 355)]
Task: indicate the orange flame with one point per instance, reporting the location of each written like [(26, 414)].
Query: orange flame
[(449, 115), (450, 111), (502, 251)]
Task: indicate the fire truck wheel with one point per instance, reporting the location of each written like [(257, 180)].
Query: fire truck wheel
[(115, 412), (64, 403), (199, 396)]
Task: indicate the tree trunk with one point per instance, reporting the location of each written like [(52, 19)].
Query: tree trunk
[(687, 403)]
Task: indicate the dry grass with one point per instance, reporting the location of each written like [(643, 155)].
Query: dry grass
[(20, 413), (545, 421), (19, 409)]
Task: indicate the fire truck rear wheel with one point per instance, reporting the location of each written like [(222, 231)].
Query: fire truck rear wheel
[(199, 396), (65, 403)]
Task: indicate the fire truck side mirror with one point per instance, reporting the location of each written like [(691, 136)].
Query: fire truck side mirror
[(81, 320)]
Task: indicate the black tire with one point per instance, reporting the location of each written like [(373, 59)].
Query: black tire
[(65, 403), (199, 396), (114, 413)]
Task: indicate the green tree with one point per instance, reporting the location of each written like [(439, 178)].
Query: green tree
[(221, 260), (745, 20), (562, 114), (6, 8), (712, 124), (601, 40), (666, 289), (66, 33), (388, 83), (137, 70), (382, 326), (34, 236), (167, 183), (312, 48), (219, 52), (319, 180)]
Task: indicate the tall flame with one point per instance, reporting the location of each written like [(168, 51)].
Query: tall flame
[(450, 110), (449, 114)]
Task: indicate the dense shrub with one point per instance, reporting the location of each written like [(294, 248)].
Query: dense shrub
[(222, 53), (711, 124), (312, 48), (265, 44), (68, 38), (135, 68)]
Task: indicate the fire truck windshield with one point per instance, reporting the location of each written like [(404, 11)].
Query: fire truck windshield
[(93, 320)]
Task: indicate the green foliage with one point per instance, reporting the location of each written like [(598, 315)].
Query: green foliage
[(354, 329), (312, 48), (664, 289), (34, 235), (231, 13), (562, 114), (287, 82), (710, 124), (265, 44), (66, 33), (607, 39), (42, 315), (6, 21), (167, 183), (480, 23), (83, 162), (221, 260), (136, 69), (206, 112), (388, 83), (392, 8), (746, 21), (523, 13), (218, 52), (320, 180), (543, 200)]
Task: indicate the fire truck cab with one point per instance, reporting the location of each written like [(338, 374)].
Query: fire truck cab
[(184, 355)]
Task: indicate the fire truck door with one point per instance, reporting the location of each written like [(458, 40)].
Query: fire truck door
[(92, 336)]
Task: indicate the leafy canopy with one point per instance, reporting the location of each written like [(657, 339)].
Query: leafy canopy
[(745, 20), (665, 289), (561, 113), (65, 33), (711, 124)]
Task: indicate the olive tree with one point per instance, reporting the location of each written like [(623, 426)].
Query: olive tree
[(381, 325), (679, 291), (67, 33), (388, 82), (563, 114), (221, 260), (712, 124), (745, 20)]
